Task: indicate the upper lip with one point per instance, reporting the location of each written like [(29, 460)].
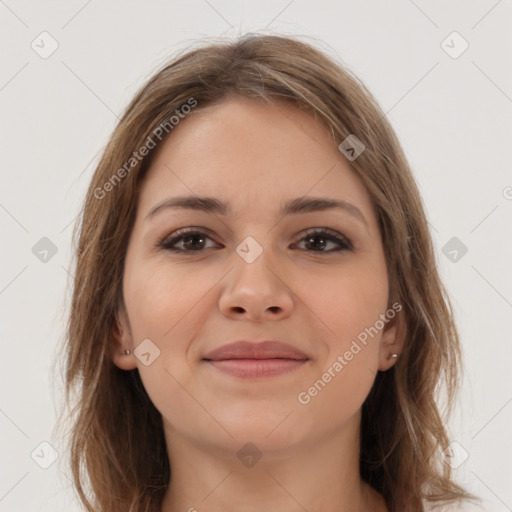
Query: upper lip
[(255, 350)]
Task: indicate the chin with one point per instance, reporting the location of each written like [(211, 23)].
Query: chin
[(270, 432)]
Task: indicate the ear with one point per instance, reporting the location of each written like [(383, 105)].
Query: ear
[(393, 337), (121, 341)]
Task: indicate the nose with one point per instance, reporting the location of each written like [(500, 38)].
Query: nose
[(256, 291)]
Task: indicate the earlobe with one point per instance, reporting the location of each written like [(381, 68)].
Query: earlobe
[(392, 342), (122, 344)]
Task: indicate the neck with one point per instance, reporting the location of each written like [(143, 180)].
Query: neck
[(323, 475)]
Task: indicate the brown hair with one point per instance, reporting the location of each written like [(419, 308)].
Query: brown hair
[(117, 444)]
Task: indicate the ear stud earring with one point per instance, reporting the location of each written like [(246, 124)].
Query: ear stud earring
[(394, 355), (126, 352)]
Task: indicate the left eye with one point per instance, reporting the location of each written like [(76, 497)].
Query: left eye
[(197, 240), (328, 235)]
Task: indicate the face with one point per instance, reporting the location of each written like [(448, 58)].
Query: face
[(315, 279)]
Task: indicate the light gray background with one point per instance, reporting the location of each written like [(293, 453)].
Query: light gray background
[(453, 116)]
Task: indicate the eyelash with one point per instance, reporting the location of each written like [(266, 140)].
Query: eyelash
[(167, 243)]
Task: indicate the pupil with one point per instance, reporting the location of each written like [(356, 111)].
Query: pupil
[(194, 237), (321, 245)]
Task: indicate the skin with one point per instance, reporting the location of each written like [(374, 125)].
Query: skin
[(257, 156)]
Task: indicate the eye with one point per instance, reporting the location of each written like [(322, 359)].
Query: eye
[(326, 236), (185, 235), (193, 240)]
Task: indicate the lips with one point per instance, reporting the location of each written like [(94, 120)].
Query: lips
[(253, 350), (245, 359)]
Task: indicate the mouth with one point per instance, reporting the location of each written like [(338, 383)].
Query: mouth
[(256, 368), (251, 360)]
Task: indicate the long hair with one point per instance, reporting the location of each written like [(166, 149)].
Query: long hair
[(117, 449)]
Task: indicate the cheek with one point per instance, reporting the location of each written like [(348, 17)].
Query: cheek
[(160, 304), (333, 398), (349, 304), (347, 299), (167, 306), (162, 300)]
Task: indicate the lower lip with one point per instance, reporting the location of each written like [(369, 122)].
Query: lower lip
[(256, 368)]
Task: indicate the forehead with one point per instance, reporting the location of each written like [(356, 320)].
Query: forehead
[(252, 155)]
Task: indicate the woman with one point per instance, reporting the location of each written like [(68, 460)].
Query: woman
[(257, 319)]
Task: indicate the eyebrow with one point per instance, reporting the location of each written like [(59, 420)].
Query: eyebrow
[(291, 207)]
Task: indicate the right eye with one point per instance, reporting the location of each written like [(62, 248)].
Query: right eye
[(192, 240)]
